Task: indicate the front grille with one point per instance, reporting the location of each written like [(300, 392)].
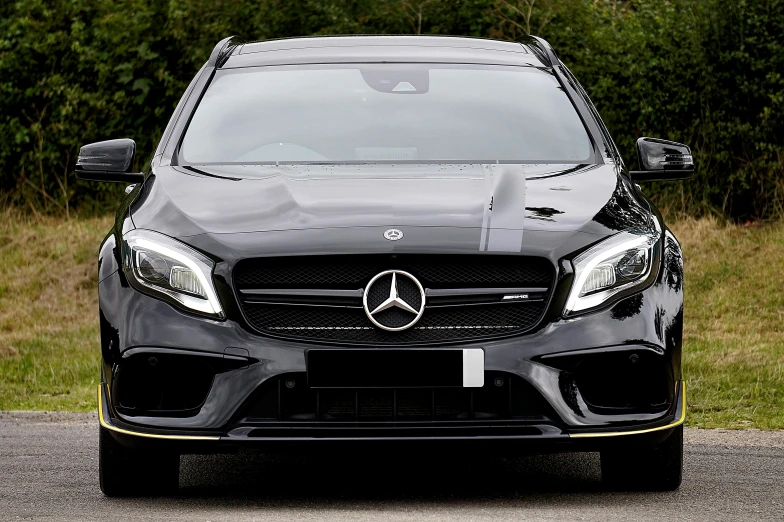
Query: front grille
[(287, 398), (319, 298)]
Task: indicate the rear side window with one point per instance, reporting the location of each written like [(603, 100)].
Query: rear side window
[(385, 113)]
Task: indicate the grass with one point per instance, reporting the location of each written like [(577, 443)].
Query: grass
[(734, 324), (49, 342), (733, 338)]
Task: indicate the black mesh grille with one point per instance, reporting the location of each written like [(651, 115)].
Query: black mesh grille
[(307, 272), (349, 324), (433, 271)]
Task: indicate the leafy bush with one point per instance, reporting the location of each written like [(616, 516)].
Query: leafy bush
[(705, 72)]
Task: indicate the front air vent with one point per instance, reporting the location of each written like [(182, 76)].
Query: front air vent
[(157, 384)]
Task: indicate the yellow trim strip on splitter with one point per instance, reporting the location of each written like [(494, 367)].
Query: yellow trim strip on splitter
[(639, 432), (214, 437), (140, 434)]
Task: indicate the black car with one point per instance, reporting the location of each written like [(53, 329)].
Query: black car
[(388, 238)]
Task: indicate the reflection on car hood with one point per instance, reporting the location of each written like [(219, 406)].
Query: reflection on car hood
[(497, 203)]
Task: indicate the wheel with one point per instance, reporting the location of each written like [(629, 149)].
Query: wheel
[(125, 472), (658, 468)]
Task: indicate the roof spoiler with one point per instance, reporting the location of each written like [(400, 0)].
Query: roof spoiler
[(542, 49), (222, 51)]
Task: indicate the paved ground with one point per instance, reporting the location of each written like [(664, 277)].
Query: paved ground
[(48, 470)]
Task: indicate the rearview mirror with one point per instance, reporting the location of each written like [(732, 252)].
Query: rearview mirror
[(108, 161), (662, 160)]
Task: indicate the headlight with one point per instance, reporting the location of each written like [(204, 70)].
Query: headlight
[(617, 266), (165, 268)]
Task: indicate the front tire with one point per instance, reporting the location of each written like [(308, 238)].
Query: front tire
[(658, 468), (127, 472)]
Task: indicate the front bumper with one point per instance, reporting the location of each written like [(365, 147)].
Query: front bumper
[(539, 435)]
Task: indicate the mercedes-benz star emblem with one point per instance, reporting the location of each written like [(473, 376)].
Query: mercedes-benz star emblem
[(394, 300), (393, 234)]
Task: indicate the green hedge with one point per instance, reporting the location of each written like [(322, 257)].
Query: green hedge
[(706, 72)]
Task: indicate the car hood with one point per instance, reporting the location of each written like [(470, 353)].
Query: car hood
[(306, 208)]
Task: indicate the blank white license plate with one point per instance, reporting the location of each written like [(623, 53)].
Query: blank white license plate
[(473, 368)]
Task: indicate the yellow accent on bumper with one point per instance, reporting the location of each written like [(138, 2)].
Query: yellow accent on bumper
[(141, 434), (215, 437), (639, 432)]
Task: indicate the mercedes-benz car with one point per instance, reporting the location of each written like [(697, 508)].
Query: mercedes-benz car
[(388, 238)]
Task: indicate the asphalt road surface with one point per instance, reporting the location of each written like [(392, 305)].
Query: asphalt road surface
[(49, 471)]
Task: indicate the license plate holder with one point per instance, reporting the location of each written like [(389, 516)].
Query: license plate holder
[(395, 368)]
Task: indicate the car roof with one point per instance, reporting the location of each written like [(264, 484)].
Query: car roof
[(364, 49)]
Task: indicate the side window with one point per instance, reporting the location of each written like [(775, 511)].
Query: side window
[(614, 152)]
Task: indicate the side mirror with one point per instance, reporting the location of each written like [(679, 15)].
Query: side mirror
[(108, 161), (662, 160)]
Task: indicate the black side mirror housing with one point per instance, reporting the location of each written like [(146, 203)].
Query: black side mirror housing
[(110, 160), (662, 160)]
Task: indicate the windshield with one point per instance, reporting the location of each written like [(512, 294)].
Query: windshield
[(385, 113)]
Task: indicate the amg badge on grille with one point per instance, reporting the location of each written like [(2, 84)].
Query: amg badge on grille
[(394, 300)]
